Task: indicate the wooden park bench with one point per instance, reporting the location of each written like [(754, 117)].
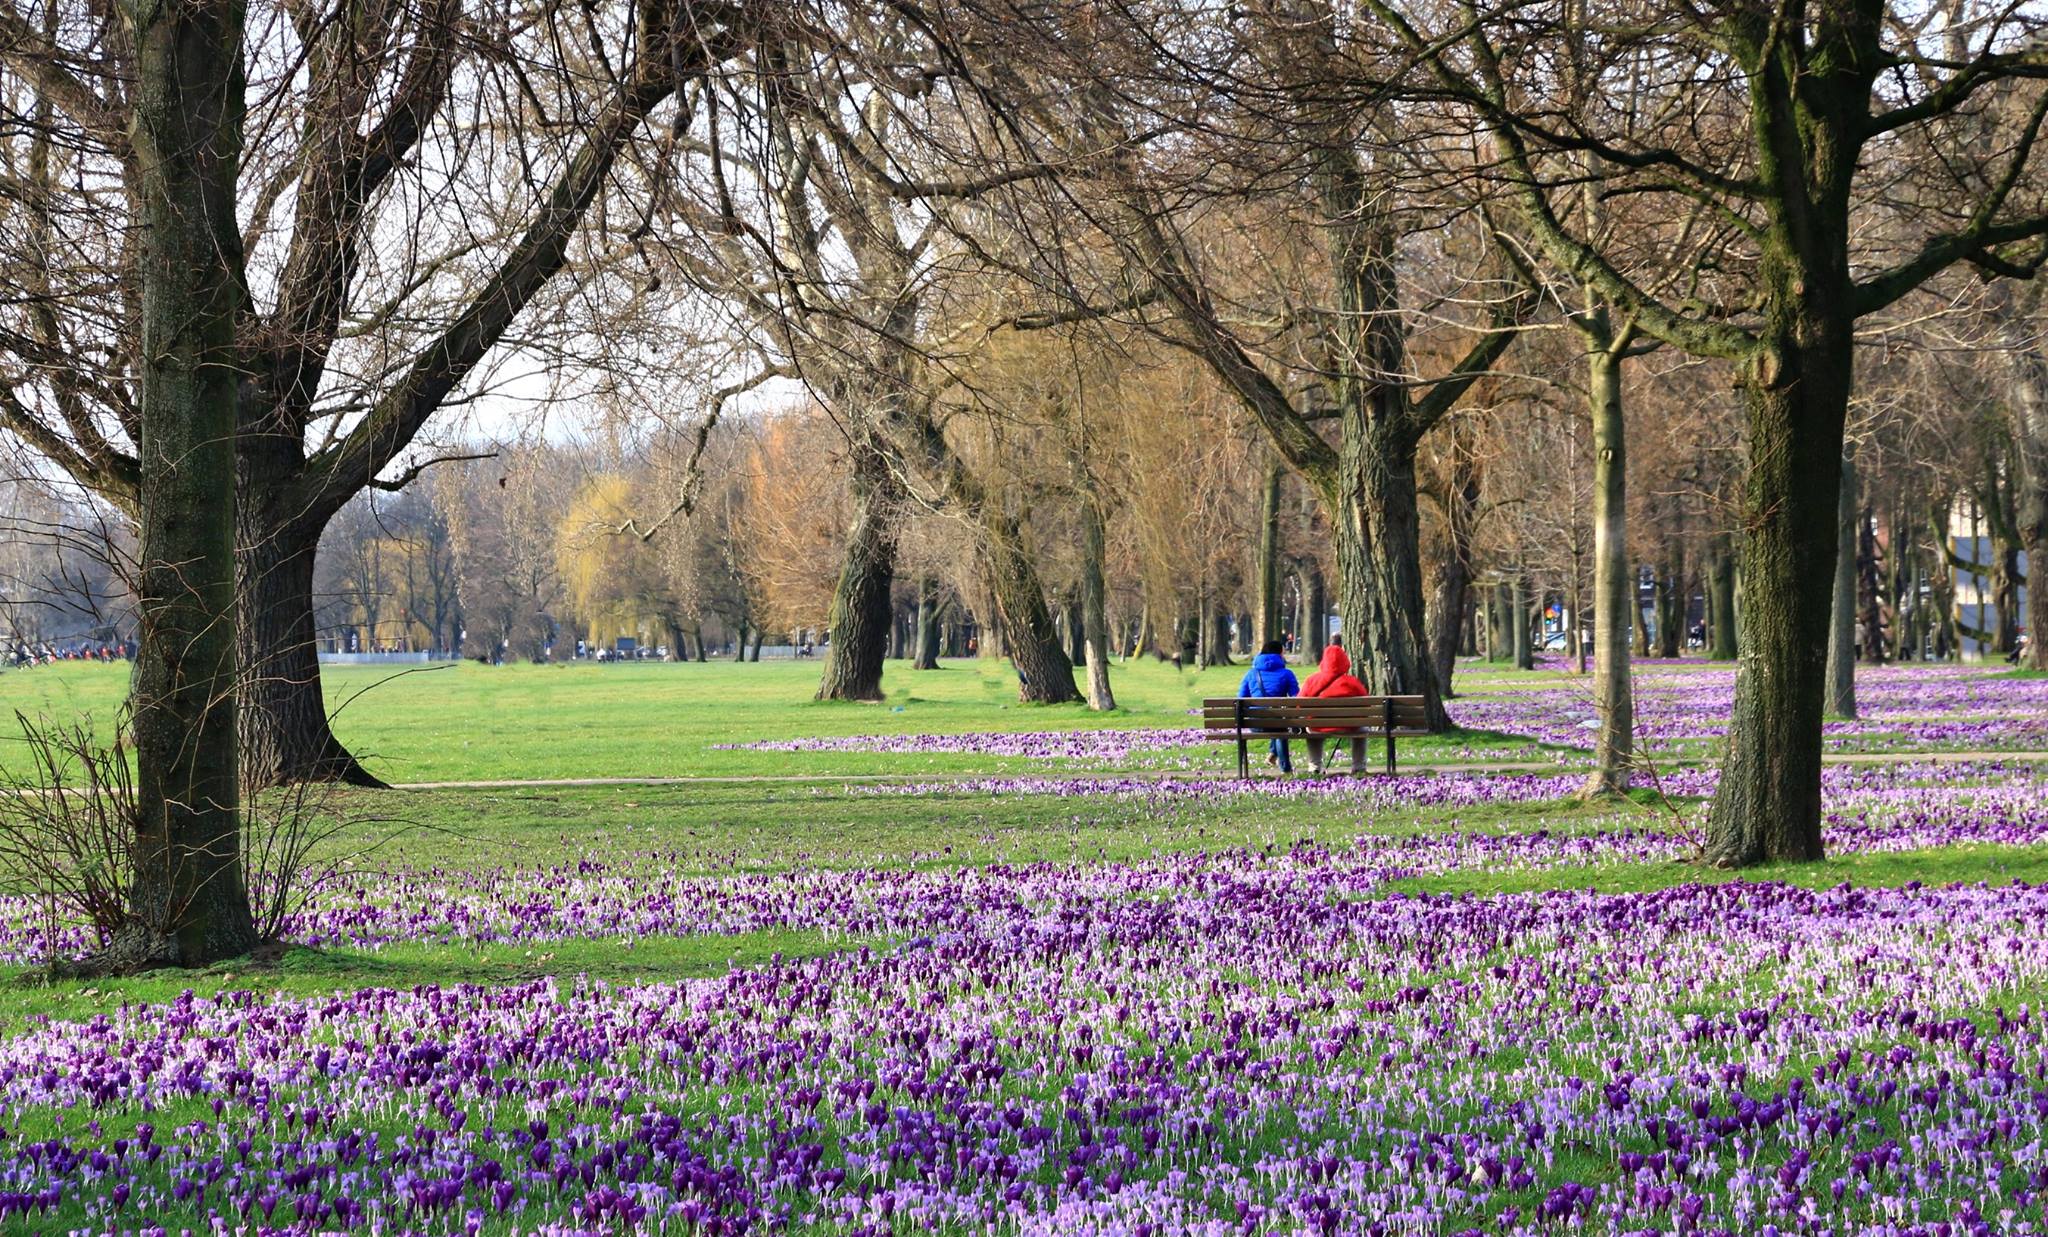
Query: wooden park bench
[(1248, 718)]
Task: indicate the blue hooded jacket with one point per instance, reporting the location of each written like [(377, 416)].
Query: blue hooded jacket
[(1269, 676)]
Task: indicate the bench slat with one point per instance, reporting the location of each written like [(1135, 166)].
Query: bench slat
[(1256, 718)]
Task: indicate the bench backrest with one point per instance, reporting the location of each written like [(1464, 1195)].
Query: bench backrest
[(1292, 714)]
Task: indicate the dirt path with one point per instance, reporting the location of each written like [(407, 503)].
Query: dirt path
[(772, 779)]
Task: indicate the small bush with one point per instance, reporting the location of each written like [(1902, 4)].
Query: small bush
[(68, 823)]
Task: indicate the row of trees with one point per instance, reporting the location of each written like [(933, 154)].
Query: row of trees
[(252, 253)]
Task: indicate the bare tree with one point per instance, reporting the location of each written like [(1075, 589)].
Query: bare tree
[(436, 160), (1788, 120)]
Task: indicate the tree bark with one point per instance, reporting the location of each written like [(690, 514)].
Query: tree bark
[(927, 641), (1267, 620), (1379, 566), (1500, 639), (1519, 614), (1447, 616), (1870, 588), (286, 735), (1216, 637), (861, 615), (1721, 625), (2030, 443), (1316, 611), (189, 901), (1671, 598), (1796, 395), (1841, 682), (1094, 594), (1643, 613), (1613, 585), (1044, 674)]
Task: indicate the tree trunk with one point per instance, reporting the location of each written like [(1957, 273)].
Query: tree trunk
[(1721, 598), (1500, 640), (697, 634), (284, 730), (1454, 571), (1094, 592), (1613, 585), (754, 652), (1447, 614), (1379, 567), (1216, 650), (1672, 599), (1044, 674), (1315, 604), (2030, 442), (1266, 625), (1796, 395), (861, 615), (189, 901), (1643, 613), (1841, 672), (1870, 588), (927, 642), (1519, 613)]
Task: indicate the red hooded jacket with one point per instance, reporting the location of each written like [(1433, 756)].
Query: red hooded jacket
[(1333, 677)]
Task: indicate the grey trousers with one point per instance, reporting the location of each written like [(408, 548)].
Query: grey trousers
[(1315, 752)]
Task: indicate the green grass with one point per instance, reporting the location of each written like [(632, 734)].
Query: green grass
[(796, 811), (473, 722), (469, 722), (30, 997), (1997, 865), (775, 826)]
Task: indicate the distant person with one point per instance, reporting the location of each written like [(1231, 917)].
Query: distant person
[(1269, 676), (1333, 679)]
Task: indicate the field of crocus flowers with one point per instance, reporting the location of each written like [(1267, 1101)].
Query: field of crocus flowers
[(1056, 976)]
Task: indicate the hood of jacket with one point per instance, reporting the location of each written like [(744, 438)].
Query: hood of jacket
[(1335, 661), (1269, 663)]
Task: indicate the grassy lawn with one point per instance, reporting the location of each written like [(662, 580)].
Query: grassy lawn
[(530, 934), (469, 722)]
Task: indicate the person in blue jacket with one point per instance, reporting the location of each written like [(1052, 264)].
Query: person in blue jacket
[(1269, 676)]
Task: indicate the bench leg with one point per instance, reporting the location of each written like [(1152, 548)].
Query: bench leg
[(1390, 754), (1244, 760)]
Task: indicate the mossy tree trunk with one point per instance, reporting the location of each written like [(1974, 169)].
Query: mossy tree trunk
[(189, 901), (1796, 394)]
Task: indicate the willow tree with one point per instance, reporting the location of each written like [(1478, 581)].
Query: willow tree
[(1261, 223), (382, 287), (812, 218), (1802, 124)]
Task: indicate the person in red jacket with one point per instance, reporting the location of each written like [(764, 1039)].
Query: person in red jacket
[(1333, 678)]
